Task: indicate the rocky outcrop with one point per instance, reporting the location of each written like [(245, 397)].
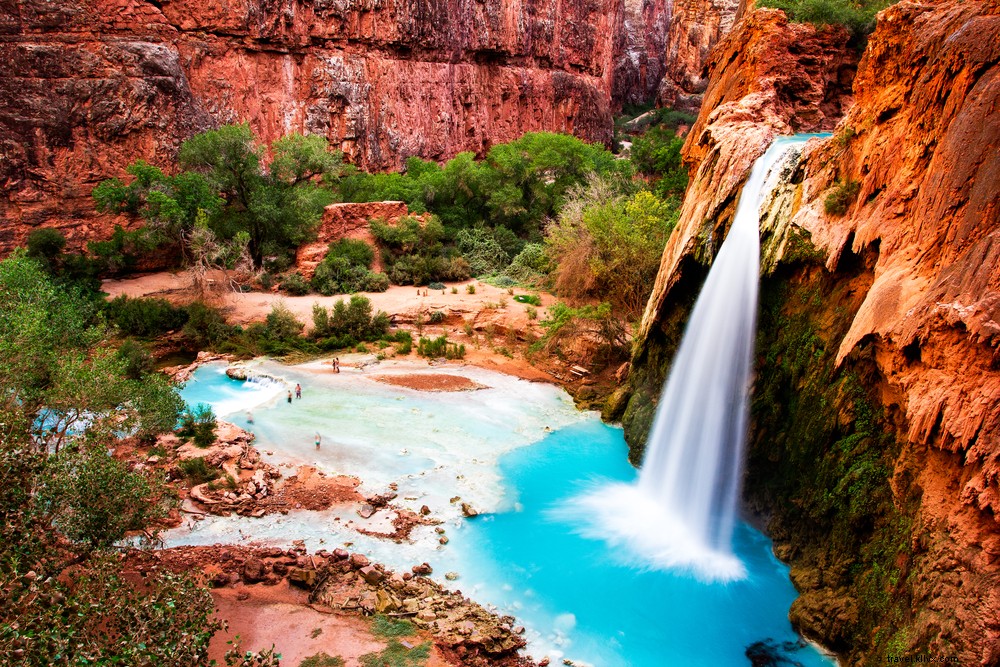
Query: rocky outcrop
[(639, 65), (769, 77), (875, 447), (695, 28), (347, 221), (88, 87)]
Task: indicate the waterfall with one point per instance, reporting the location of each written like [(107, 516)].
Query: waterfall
[(682, 511)]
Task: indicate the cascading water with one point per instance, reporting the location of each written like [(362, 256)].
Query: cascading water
[(682, 510)]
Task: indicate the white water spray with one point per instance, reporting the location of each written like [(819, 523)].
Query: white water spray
[(682, 511)]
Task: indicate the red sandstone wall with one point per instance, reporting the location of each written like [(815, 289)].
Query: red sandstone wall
[(89, 86)]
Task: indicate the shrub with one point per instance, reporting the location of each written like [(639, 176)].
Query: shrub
[(145, 318), (454, 290), (436, 317), (137, 359), (198, 424), (434, 348), (382, 626), (532, 299), (198, 471), (435, 286), (843, 195), (295, 284), (470, 288), (858, 16), (531, 312), (348, 320), (347, 268), (206, 326), (46, 244), (482, 250), (530, 264)]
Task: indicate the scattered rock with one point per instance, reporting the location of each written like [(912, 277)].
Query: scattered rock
[(469, 511), (371, 575), (302, 577), (422, 570), (253, 570), (451, 576), (359, 561)]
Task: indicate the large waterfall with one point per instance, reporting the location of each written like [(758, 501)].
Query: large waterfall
[(682, 511)]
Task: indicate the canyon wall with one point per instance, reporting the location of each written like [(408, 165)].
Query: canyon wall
[(89, 87), (874, 457)]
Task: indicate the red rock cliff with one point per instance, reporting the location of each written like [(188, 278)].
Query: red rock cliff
[(906, 296), (88, 87)]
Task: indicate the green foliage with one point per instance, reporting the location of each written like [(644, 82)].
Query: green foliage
[(436, 286), (348, 323), (137, 360), (322, 660), (435, 348), (415, 255), (294, 284), (198, 424), (225, 181), (515, 187), (61, 386), (436, 317), (198, 471), (120, 253), (657, 154), (383, 626), (397, 655), (347, 268), (858, 16), (144, 317), (565, 323), (206, 327), (532, 299), (65, 502), (481, 249), (94, 616), (45, 244), (470, 288), (844, 194), (609, 246)]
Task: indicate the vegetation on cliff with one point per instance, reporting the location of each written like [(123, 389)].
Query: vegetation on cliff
[(858, 16), (65, 502)]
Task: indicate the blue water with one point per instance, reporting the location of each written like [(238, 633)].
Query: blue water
[(619, 614), (576, 596)]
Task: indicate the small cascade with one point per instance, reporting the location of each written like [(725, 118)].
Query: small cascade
[(682, 511)]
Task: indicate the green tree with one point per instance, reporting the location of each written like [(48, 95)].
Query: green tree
[(607, 245), (278, 209)]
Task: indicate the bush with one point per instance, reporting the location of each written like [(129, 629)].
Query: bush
[(858, 16), (46, 244), (146, 318), (435, 286), (532, 299), (470, 288), (843, 195), (295, 284), (206, 327), (198, 424), (436, 317), (347, 269), (138, 360), (482, 250), (352, 320), (198, 471), (434, 348)]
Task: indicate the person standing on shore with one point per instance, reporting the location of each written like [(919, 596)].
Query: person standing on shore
[(289, 396), (317, 440), (298, 391)]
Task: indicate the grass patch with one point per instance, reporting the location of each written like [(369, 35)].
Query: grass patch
[(197, 471), (322, 659), (383, 626), (397, 655)]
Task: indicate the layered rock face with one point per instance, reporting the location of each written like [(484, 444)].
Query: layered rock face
[(875, 448), (90, 86), (695, 28)]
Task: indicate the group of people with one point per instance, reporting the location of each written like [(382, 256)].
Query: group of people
[(335, 362), (298, 394)]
